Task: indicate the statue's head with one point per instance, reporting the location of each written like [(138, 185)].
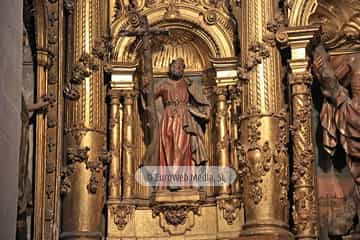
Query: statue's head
[(176, 69)]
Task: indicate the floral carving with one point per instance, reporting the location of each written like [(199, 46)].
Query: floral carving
[(50, 167), (175, 214), (77, 154), (230, 208), (210, 17), (257, 52), (176, 219), (223, 143), (102, 48), (256, 160), (152, 3), (71, 92), (51, 145), (273, 27), (243, 74), (80, 154), (69, 5), (305, 212), (52, 78), (93, 181), (83, 68), (254, 133), (122, 215), (51, 123), (53, 18), (65, 179)]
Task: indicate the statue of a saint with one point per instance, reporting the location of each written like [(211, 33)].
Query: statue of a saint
[(181, 140), (340, 114)]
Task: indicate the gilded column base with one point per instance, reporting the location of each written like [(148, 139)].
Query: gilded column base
[(259, 232)]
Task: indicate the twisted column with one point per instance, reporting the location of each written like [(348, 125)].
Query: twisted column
[(305, 213)]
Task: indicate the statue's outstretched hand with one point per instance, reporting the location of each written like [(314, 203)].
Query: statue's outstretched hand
[(39, 106)]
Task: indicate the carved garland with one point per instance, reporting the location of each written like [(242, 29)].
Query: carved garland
[(77, 154), (87, 65)]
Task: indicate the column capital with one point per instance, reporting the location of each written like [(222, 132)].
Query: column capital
[(44, 57), (114, 93), (298, 39), (221, 91), (123, 76), (225, 70), (129, 97)]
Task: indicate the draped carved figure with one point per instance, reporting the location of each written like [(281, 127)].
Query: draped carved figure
[(340, 115), (25, 195), (181, 136)]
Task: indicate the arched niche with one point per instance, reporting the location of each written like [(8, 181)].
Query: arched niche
[(194, 36), (180, 43), (209, 38), (300, 12)]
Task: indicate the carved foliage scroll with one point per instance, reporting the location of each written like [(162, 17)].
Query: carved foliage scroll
[(176, 219)]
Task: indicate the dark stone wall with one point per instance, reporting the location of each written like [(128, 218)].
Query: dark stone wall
[(10, 105)]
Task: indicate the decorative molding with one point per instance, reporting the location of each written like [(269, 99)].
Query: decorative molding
[(176, 219), (83, 69), (265, 157), (230, 209), (71, 93), (257, 52), (122, 215)]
